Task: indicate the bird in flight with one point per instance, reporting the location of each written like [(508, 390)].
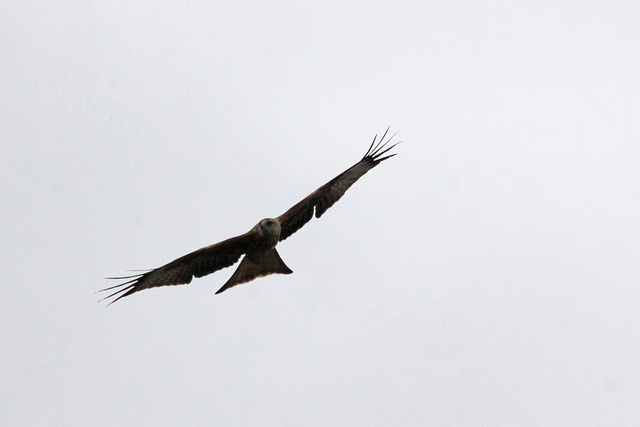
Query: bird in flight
[(258, 244)]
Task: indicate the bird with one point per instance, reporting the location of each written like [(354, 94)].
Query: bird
[(258, 245)]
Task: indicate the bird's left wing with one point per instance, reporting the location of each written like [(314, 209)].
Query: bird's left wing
[(324, 197), (180, 271)]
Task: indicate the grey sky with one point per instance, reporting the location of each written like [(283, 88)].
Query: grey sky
[(487, 275)]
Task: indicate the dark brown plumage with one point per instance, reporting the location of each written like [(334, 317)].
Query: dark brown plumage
[(258, 244)]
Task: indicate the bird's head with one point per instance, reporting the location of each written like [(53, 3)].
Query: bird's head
[(269, 227)]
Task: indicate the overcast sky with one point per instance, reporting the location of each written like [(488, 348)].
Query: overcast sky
[(487, 275)]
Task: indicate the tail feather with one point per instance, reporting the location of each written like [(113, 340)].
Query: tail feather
[(253, 266)]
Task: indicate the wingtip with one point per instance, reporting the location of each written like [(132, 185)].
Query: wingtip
[(126, 288), (378, 148), (123, 293)]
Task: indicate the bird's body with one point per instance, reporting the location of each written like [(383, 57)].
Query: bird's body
[(262, 259), (258, 244)]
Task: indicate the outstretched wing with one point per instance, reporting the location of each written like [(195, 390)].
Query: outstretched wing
[(180, 271), (324, 197)]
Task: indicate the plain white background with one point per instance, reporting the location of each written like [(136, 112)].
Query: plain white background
[(487, 275)]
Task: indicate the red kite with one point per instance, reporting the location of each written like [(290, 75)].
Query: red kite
[(258, 244)]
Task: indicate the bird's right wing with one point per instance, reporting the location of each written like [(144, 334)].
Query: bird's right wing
[(180, 271)]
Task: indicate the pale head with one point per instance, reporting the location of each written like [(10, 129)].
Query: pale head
[(269, 228)]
